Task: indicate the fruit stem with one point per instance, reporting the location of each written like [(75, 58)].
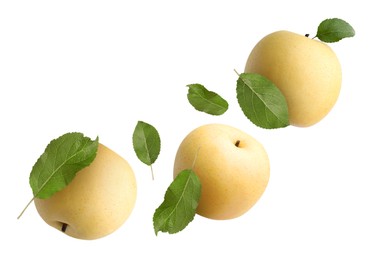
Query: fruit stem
[(236, 72), (237, 143), (307, 35), (28, 204), (64, 227)]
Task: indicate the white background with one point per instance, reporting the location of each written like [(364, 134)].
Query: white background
[(98, 67)]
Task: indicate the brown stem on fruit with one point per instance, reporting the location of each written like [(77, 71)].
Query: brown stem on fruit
[(307, 35), (237, 143), (64, 227)]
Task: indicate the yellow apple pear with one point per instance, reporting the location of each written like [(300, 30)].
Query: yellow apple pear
[(232, 166), (98, 200), (306, 70)]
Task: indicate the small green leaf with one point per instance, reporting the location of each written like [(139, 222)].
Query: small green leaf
[(61, 160), (180, 202), (333, 30), (146, 143), (261, 101), (206, 101), (57, 166)]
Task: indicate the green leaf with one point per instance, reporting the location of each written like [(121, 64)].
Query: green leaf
[(261, 101), (206, 101), (180, 202), (146, 143), (57, 166), (61, 160), (333, 30)]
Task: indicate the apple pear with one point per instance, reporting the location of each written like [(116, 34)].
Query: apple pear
[(232, 166), (306, 70), (98, 200)]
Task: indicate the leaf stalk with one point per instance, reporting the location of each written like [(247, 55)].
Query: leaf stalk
[(196, 156), (152, 172), (28, 204)]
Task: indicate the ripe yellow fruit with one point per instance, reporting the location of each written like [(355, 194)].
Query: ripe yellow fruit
[(306, 70), (98, 200), (232, 166)]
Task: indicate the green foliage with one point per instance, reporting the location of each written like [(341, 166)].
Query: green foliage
[(146, 143), (206, 101), (57, 166), (61, 160), (333, 30), (180, 202), (261, 101)]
